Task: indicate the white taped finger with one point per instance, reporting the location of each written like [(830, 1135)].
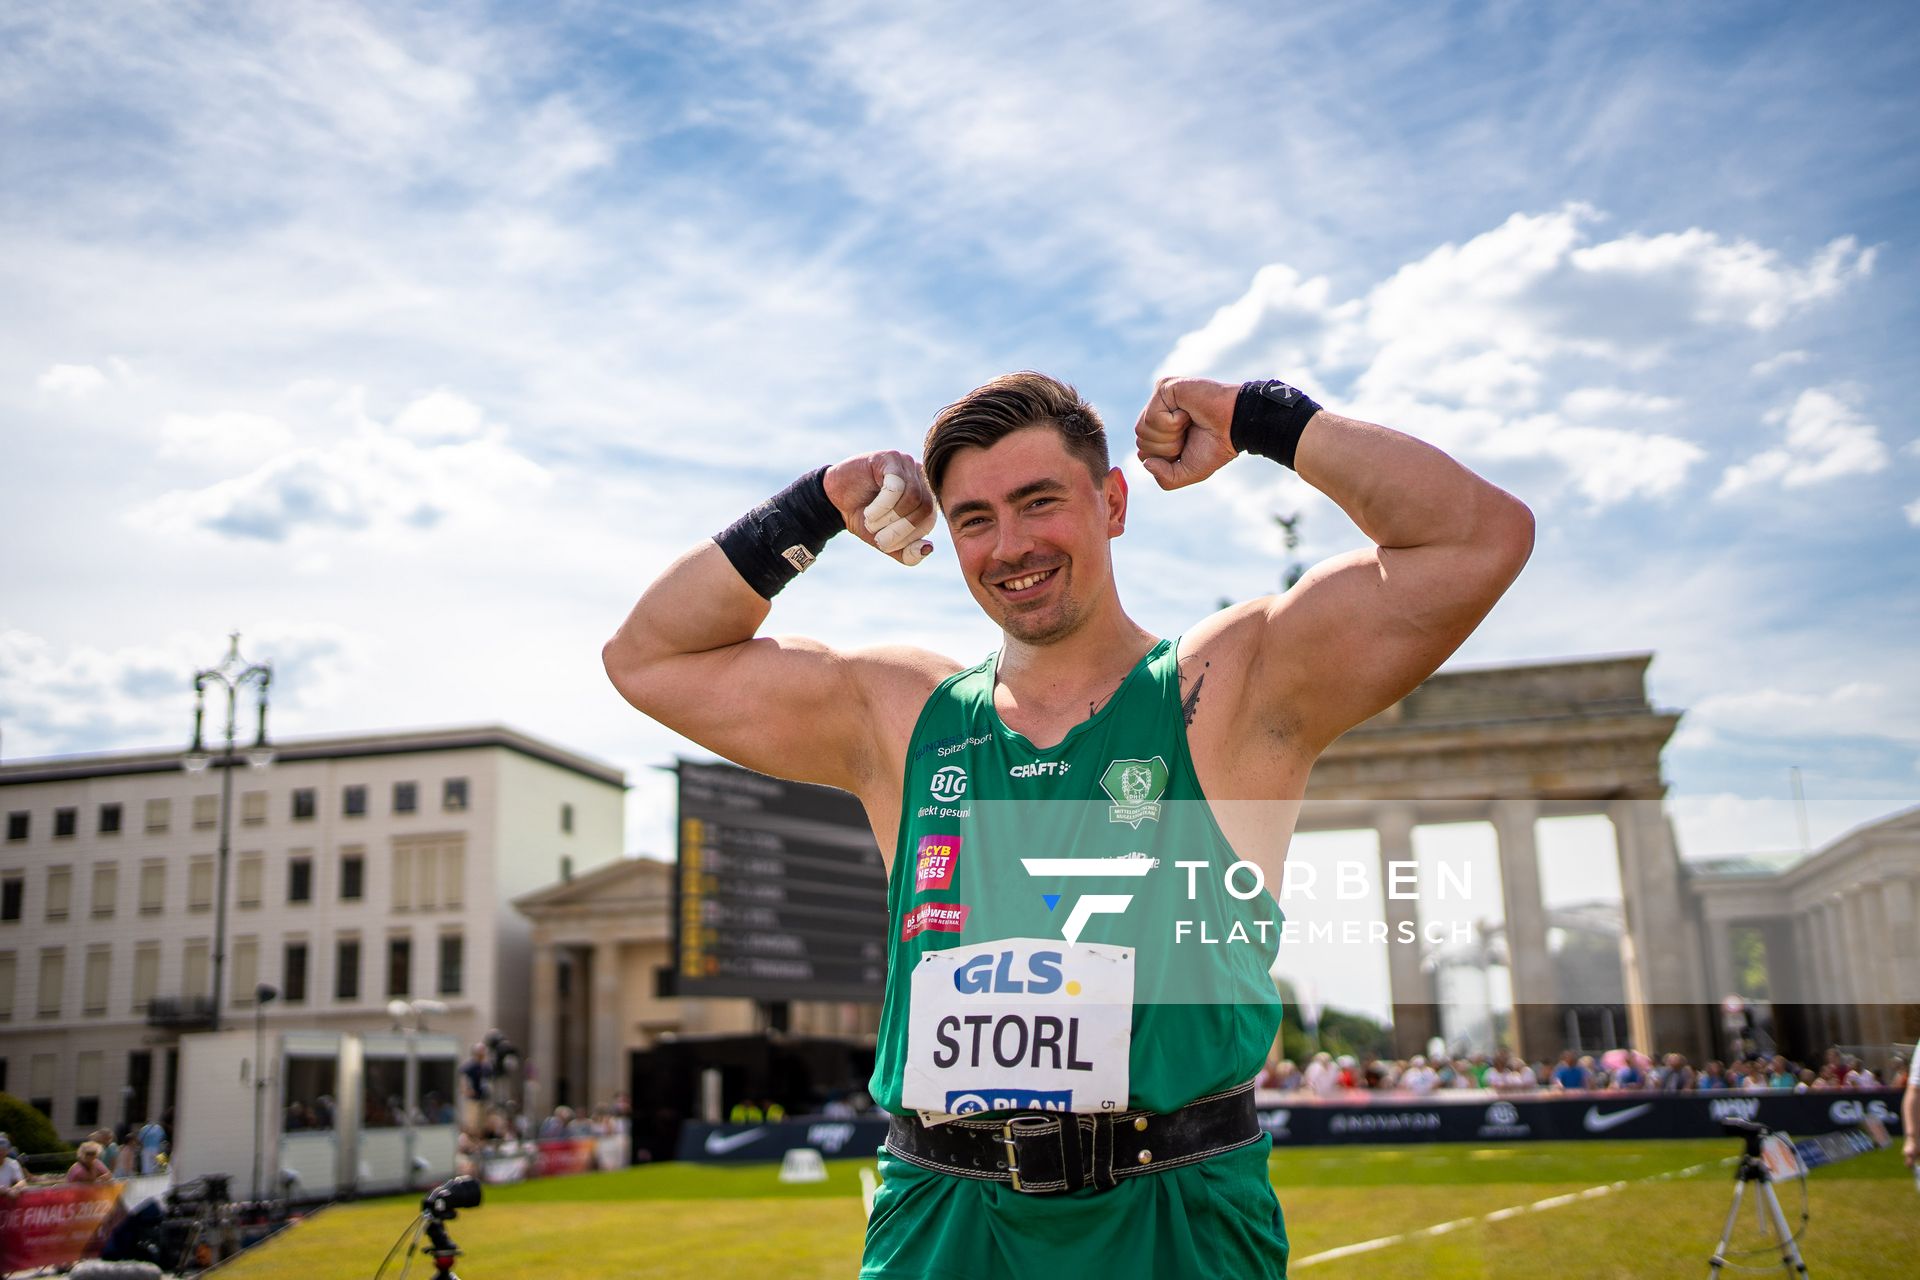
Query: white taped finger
[(915, 553), (896, 535), (880, 510)]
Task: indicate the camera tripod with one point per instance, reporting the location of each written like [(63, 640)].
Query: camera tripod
[(439, 1207), (1753, 1169)]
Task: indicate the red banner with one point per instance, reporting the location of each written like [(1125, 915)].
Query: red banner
[(564, 1155), (55, 1226)]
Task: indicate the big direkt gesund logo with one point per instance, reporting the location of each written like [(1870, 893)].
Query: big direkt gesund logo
[(1135, 787)]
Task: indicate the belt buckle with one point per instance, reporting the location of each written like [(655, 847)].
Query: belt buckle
[(1009, 1138)]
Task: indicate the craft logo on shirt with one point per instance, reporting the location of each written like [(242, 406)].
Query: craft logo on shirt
[(949, 784), (940, 917), (1135, 787), (1041, 769), (933, 864)]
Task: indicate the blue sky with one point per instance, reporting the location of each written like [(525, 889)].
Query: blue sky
[(413, 341)]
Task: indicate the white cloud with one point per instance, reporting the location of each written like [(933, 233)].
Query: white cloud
[(225, 439), (55, 700), (1826, 439), (77, 380), (1913, 513), (1855, 708), (436, 461), (1465, 344), (1773, 364)]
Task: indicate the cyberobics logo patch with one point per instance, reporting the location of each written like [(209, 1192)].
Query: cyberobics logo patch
[(1135, 787), (967, 1102), (949, 784), (1093, 904), (933, 863)]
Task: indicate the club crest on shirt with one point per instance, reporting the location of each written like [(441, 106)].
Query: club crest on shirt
[(1135, 787)]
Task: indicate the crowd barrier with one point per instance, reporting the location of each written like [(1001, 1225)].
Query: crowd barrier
[(1473, 1117), (60, 1224)]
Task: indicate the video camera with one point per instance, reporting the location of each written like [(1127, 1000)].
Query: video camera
[(445, 1201)]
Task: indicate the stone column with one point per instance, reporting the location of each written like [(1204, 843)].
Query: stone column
[(1841, 994), (543, 1051), (1537, 1028), (607, 1048), (1415, 1017), (1672, 1013), (1861, 939)]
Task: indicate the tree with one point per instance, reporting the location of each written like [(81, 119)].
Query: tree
[(32, 1133)]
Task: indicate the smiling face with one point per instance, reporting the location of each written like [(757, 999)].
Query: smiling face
[(1031, 528)]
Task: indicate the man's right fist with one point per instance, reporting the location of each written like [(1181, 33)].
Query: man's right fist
[(885, 502)]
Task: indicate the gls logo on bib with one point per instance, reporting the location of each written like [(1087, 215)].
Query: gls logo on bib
[(1020, 1023)]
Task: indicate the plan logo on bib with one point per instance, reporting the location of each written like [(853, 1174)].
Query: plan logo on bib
[(1135, 787)]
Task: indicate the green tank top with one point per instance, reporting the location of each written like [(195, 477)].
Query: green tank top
[(996, 840)]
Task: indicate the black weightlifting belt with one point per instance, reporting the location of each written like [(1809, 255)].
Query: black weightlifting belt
[(1041, 1152)]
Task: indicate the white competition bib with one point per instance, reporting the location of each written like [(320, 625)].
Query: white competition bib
[(1019, 1024)]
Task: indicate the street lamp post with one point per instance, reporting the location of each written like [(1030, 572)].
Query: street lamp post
[(230, 675)]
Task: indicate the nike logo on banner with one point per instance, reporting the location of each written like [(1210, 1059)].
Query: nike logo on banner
[(1594, 1122), (719, 1146)]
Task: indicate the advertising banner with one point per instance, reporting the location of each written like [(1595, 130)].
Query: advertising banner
[(55, 1226), (563, 1155), (1476, 1117)]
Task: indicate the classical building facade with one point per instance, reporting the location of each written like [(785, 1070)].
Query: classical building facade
[(363, 868), (602, 981), (1822, 948)]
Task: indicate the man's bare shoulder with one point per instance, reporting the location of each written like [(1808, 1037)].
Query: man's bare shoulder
[(897, 679), (1241, 743)]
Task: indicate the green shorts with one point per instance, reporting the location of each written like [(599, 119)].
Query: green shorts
[(1215, 1219)]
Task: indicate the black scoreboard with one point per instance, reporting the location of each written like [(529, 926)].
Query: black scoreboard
[(780, 893)]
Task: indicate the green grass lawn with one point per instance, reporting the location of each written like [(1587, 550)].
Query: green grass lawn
[(703, 1222)]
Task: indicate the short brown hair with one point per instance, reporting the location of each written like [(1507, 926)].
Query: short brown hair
[(1009, 403)]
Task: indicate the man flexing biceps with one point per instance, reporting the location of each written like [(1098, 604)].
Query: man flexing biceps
[(1070, 1089)]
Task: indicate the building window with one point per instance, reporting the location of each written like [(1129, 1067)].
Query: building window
[(64, 823), (206, 812), (406, 797), (146, 974), (353, 874), (246, 970), (346, 969), (200, 883), (566, 866), (53, 980), (19, 822), (399, 965), (42, 1071), (299, 879), (253, 808), (353, 802), (106, 889), (8, 973), (109, 819), (249, 881), (566, 819), (159, 816), (93, 997), (453, 795), (194, 979), (153, 886), (452, 952), (303, 803), (293, 975), (12, 892), (59, 892)]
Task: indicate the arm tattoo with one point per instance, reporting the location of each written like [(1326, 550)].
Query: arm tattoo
[(1190, 704)]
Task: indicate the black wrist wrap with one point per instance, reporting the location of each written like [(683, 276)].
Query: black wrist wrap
[(1268, 418), (773, 542)]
